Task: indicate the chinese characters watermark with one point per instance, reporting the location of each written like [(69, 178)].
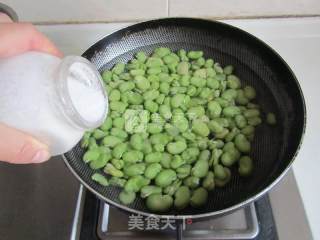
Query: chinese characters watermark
[(152, 222)]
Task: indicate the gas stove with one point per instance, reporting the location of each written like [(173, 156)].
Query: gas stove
[(97, 220)]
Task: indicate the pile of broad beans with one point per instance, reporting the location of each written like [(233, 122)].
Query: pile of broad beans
[(177, 123)]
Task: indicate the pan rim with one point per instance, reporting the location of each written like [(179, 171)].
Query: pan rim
[(247, 200)]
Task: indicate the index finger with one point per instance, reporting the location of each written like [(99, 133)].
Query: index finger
[(17, 38)]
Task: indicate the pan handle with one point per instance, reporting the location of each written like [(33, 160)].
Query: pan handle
[(179, 229)]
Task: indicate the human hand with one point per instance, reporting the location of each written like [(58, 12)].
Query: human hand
[(16, 38)]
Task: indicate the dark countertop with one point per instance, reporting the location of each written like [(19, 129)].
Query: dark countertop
[(37, 201)]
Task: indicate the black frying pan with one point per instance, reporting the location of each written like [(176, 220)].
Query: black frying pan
[(274, 148)]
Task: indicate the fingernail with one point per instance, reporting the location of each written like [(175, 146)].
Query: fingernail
[(41, 156)]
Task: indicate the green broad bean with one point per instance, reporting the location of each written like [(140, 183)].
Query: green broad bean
[(208, 181), (118, 106), (134, 98), (211, 72), (241, 121), (171, 130), (127, 198), (253, 106), (165, 177), (153, 62), (160, 99), (218, 68), (149, 190), (114, 95), (206, 93), (134, 169), (271, 118), (176, 147), (222, 134), (184, 80), (200, 168), (142, 83), (171, 189), (117, 163), (91, 155), (134, 184), (154, 157), (98, 134), (200, 128), (199, 197), (159, 203), (137, 72), (245, 166), (182, 197), (165, 112), (159, 147), (164, 88), (202, 73), (251, 113), (117, 182), (248, 130), (111, 170), (198, 81), (229, 94), (242, 143), (151, 94), (215, 144), (111, 141), (192, 90), (228, 70), (231, 135), (155, 85), (155, 70), (231, 111), (180, 122), (132, 156), (118, 123), (215, 156), (219, 172), (233, 82), (195, 112), (215, 109), (200, 62), (151, 106), (146, 147), (126, 86), (106, 76), (223, 182), (137, 141), (141, 57), (99, 178), (223, 102), (183, 171), (254, 121), (213, 83), (190, 154), (209, 63), (92, 144), (195, 54), (241, 99), (249, 92), (152, 170), (183, 68), (118, 133), (177, 100), (119, 150), (215, 127), (162, 51), (176, 162), (191, 182), (154, 128), (165, 160), (159, 138)]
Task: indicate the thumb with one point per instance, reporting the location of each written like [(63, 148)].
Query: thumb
[(18, 147)]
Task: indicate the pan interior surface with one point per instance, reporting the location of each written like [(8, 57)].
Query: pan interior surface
[(274, 147)]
